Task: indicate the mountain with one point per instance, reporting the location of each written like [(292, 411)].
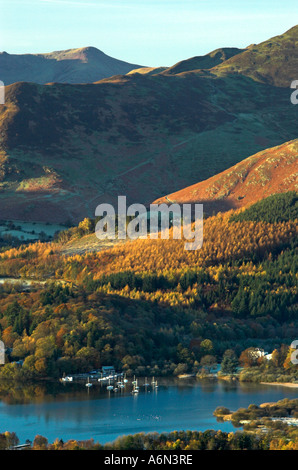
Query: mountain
[(84, 65), (195, 63), (207, 61), (274, 61), (65, 148), (269, 172)]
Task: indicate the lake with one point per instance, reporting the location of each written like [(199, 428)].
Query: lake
[(73, 411)]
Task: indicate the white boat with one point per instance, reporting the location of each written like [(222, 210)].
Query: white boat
[(88, 384), (135, 389), (146, 383), (67, 379), (110, 387)]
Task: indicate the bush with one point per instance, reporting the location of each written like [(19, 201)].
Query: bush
[(221, 411)]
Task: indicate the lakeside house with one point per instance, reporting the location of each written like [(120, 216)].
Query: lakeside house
[(261, 353), (104, 373), (108, 371)]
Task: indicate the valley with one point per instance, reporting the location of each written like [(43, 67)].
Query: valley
[(215, 325)]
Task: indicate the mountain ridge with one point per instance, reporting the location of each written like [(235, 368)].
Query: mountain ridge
[(78, 65), (206, 61), (272, 61)]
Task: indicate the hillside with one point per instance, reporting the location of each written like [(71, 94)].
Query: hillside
[(148, 70), (194, 63), (273, 61), (83, 65), (65, 148), (150, 307), (271, 171), (207, 61)]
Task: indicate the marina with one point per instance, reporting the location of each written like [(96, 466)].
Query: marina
[(70, 410), (115, 382)]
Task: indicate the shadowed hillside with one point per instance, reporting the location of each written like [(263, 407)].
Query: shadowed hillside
[(271, 171), (84, 65)]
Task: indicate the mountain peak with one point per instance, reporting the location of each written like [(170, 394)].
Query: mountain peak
[(82, 54), (81, 65)]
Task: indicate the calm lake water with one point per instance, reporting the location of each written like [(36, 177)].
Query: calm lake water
[(73, 411)]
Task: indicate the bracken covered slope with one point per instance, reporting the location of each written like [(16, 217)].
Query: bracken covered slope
[(271, 171)]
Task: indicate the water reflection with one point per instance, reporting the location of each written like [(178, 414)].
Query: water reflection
[(52, 391), (74, 411), (15, 392)]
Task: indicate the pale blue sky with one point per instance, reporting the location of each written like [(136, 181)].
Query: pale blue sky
[(145, 32)]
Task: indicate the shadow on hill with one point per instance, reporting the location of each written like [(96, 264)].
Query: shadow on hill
[(210, 207)]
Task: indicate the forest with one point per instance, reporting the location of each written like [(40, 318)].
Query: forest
[(149, 307)]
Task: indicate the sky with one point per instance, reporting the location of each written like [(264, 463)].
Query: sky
[(144, 32)]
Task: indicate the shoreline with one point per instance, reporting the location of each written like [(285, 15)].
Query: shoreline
[(282, 384)]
